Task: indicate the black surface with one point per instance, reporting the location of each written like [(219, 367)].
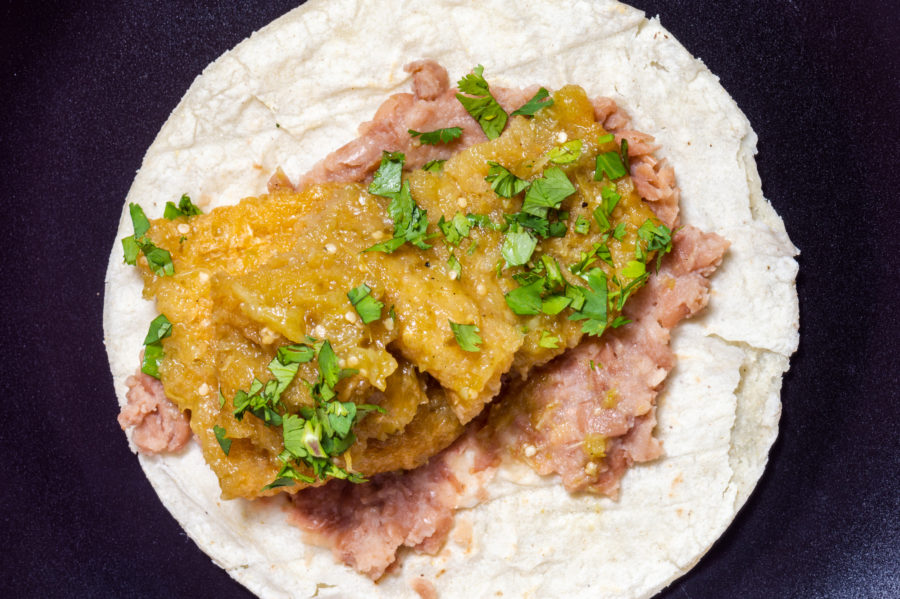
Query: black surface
[(86, 86)]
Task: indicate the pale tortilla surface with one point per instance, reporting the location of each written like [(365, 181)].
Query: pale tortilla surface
[(297, 90)]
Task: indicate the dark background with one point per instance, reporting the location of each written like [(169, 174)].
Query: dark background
[(85, 88)]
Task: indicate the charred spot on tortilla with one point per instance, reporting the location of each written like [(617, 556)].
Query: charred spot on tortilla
[(485, 277)]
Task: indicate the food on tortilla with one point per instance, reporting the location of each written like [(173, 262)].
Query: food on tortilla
[(537, 237), (713, 448)]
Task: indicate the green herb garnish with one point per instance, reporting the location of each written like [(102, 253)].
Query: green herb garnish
[(518, 245), (546, 192), (159, 260), (540, 100), (466, 336), (185, 207), (610, 164), (159, 329), (434, 166), (548, 341), (566, 153), (224, 442), (410, 221), (481, 104), (438, 136), (368, 308), (504, 183)]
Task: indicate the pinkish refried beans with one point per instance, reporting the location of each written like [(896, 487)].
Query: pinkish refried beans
[(605, 389)]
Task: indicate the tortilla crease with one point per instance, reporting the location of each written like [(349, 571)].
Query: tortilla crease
[(296, 90)]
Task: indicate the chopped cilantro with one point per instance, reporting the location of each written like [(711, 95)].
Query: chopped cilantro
[(582, 225), (388, 177), (555, 304), (594, 309), (518, 245), (658, 239), (159, 329), (526, 300), (138, 220), (605, 139), (619, 321), (410, 221), (159, 260), (153, 355), (610, 164), (634, 269), (442, 136), (454, 266), (566, 153), (434, 166), (224, 442), (548, 191), (554, 273), (368, 308), (185, 207), (619, 232), (503, 182), (221, 400), (466, 336), (481, 104), (548, 341), (315, 435), (609, 199), (539, 100), (623, 152), (456, 229)]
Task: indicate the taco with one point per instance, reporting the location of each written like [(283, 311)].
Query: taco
[(261, 118)]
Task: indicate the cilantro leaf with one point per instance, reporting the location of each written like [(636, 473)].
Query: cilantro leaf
[(634, 269), (185, 207), (595, 304), (138, 220), (605, 139), (466, 336), (582, 225), (388, 177), (368, 308), (224, 442), (456, 229), (295, 354), (388, 246), (443, 136), (619, 233), (539, 100), (555, 304), (548, 191), (434, 166), (554, 273), (131, 250), (566, 153), (526, 300), (518, 245), (292, 429), (153, 355), (504, 183), (610, 164), (483, 107), (329, 371), (160, 328), (548, 341), (410, 221), (623, 152), (454, 266), (159, 260)]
